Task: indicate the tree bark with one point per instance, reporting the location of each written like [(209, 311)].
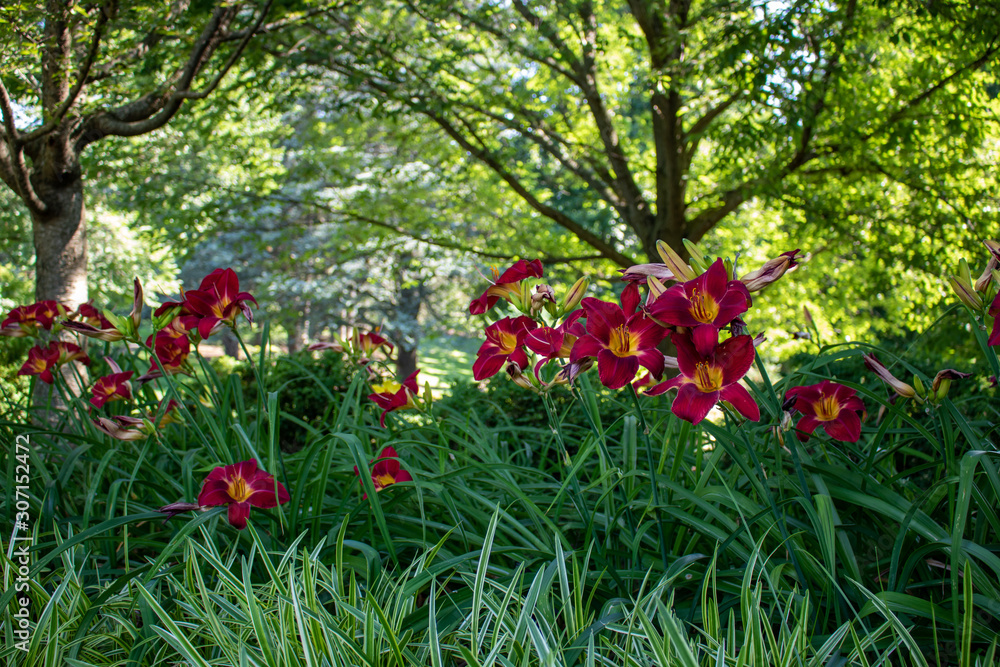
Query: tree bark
[(410, 296), (406, 360), (60, 239), (230, 344)]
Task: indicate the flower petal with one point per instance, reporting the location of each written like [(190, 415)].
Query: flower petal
[(846, 427), (487, 366), (705, 338), (615, 372), (586, 346), (692, 405), (806, 426), (653, 360), (238, 515), (738, 396), (736, 356), (665, 386), (602, 317)]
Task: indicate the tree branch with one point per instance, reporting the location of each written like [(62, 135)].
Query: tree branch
[(81, 80), (991, 51), (693, 136), (557, 216), (626, 186), (13, 168), (153, 111)]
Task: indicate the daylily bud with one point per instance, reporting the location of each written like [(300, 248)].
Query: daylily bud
[(728, 263), (698, 261), (964, 272), (994, 247), (520, 379), (570, 371), (787, 418), (107, 335), (770, 271), (640, 272), (898, 386), (809, 318), (674, 262), (656, 288), (165, 317), (322, 346), (738, 327), (575, 295), (942, 382), (987, 275), (136, 314), (695, 252), (173, 509), (919, 386), (543, 295), (124, 428), (965, 293), (428, 397)]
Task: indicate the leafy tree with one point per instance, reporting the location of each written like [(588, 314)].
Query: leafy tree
[(75, 73), (630, 122)]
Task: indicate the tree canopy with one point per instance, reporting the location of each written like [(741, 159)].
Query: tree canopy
[(630, 122)]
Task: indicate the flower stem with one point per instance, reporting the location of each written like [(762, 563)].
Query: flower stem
[(652, 474)]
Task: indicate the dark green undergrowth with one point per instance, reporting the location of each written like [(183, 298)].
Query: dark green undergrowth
[(557, 529)]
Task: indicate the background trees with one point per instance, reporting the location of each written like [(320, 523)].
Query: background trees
[(629, 122), (457, 135), (74, 74)]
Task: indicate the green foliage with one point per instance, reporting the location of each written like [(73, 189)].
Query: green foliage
[(309, 386), (520, 536), (503, 405)]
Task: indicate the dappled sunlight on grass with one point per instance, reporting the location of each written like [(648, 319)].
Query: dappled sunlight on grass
[(445, 359)]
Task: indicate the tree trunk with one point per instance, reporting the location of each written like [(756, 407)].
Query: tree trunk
[(230, 343), (409, 299), (406, 361), (298, 334), (61, 242)]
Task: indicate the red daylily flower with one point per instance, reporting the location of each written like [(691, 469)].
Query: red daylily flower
[(505, 284), (555, 342), (385, 470), (994, 312), (217, 301), (46, 313), (114, 387), (241, 485), (166, 413), (69, 352), (710, 371), (25, 320), (365, 344), (830, 405), (503, 342), (711, 298), (40, 362), (20, 322), (170, 349), (391, 395), (93, 317), (621, 343)]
